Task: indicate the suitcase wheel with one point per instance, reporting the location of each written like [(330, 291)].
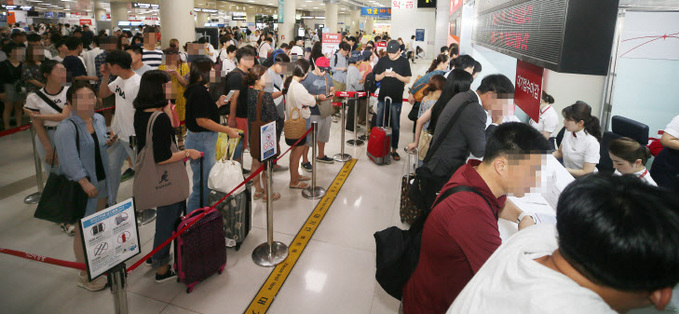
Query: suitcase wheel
[(189, 289), (221, 270), (237, 247)]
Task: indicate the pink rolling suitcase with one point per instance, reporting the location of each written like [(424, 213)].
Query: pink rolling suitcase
[(201, 249), (379, 142)]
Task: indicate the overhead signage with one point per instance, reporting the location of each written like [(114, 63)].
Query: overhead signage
[(268, 140), (238, 16), (110, 237), (61, 15), (528, 89), (48, 15), (85, 22), (549, 33), (280, 10), (16, 7), (426, 3), (419, 35), (206, 10), (403, 4), (330, 43), (138, 5), (376, 12)]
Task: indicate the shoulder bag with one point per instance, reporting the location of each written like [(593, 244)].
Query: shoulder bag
[(62, 200), (325, 106), (398, 251), (255, 127), (294, 128), (158, 185)]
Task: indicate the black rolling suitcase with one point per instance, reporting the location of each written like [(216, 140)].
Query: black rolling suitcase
[(236, 215)]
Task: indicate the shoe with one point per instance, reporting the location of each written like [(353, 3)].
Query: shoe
[(307, 167), (148, 262), (279, 168), (128, 174), (325, 160), (94, 285), (335, 119), (169, 275)]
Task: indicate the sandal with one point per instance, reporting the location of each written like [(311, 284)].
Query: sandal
[(275, 196), (304, 178), (300, 185), (257, 195), (69, 230), (395, 156)]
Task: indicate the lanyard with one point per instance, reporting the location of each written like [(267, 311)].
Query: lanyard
[(543, 111)]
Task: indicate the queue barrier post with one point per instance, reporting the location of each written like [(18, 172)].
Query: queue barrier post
[(35, 197), (342, 157), (355, 141), (366, 135), (117, 280), (269, 253), (313, 192)]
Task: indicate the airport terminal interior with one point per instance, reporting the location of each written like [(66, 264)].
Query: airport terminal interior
[(618, 58)]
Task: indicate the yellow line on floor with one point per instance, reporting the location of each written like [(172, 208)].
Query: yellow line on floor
[(262, 301)]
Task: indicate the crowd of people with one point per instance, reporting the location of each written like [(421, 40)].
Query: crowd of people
[(172, 102)]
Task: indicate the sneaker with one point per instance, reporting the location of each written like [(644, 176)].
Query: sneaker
[(128, 174), (169, 275), (148, 262), (307, 167), (325, 160), (94, 285)]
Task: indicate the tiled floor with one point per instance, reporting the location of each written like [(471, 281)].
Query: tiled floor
[(335, 274)]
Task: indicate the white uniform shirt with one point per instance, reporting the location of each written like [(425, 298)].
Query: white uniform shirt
[(264, 50), (548, 120), (644, 175), (579, 148), (673, 127), (511, 281), (34, 102), (126, 91)]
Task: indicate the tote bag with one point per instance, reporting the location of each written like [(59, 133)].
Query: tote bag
[(294, 128), (158, 185), (325, 106), (226, 174)]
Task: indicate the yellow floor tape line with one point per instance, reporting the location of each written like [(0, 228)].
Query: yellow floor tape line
[(262, 301)]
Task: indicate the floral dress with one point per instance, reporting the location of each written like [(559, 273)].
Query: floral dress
[(31, 71)]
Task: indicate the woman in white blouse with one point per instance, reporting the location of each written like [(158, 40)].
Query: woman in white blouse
[(629, 157), (580, 145), (548, 117), (297, 97)]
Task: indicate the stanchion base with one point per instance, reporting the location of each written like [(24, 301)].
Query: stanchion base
[(33, 198), (363, 137), (146, 216), (313, 193), (342, 157), (355, 142), (261, 256)]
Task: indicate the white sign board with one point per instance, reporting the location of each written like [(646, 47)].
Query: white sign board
[(268, 140), (110, 237)]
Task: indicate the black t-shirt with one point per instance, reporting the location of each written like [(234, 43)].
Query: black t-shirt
[(235, 82), (98, 162), (74, 67), (199, 104), (9, 74), (391, 86), (163, 134)]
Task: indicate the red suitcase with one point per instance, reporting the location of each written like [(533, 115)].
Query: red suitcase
[(379, 142)]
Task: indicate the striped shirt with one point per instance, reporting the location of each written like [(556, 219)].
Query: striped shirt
[(153, 58)]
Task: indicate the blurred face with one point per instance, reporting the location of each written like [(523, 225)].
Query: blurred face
[(196, 49), (58, 74), (624, 166), (171, 59), (494, 104), (37, 54), (150, 38), (135, 57), (247, 61), (394, 56), (344, 52), (84, 100), (520, 173), (18, 54), (169, 90)]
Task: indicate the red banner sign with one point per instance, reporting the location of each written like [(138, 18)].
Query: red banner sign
[(528, 89), (85, 22)]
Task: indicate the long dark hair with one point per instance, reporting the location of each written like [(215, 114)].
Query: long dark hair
[(629, 150), (440, 59), (299, 69), (458, 81), (316, 51), (581, 111), (151, 90), (200, 72)]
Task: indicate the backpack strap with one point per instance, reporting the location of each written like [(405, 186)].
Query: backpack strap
[(418, 225), (435, 146)]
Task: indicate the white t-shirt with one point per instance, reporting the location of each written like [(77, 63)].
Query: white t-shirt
[(125, 91), (547, 121), (673, 127), (227, 66), (34, 102), (264, 50), (644, 175), (297, 51), (578, 149), (512, 282)]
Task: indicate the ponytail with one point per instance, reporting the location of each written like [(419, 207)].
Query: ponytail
[(593, 127), (299, 69), (581, 111), (286, 84), (629, 150), (439, 59)]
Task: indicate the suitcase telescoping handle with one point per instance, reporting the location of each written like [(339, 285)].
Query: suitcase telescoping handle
[(410, 154), (387, 111), (202, 157)]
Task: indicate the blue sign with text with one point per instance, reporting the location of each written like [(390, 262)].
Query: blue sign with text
[(376, 12)]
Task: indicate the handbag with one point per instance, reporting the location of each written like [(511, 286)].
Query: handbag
[(325, 107), (226, 174), (62, 200), (414, 112), (423, 144), (294, 128), (158, 185), (398, 251)]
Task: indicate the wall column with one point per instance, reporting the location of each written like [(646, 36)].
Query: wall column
[(118, 13), (176, 16), (442, 20), (331, 17), (287, 31)]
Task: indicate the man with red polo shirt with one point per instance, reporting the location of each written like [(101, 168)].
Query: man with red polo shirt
[(461, 232)]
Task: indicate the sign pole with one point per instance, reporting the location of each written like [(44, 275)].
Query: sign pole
[(35, 197), (342, 157), (355, 141), (313, 192), (117, 280)]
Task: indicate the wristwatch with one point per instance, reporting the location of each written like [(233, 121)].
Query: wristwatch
[(186, 153), (522, 215)]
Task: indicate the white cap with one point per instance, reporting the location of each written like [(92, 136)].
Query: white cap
[(116, 29)]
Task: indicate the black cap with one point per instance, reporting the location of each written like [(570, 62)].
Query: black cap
[(393, 46)]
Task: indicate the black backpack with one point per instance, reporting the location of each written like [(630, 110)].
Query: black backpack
[(370, 84)]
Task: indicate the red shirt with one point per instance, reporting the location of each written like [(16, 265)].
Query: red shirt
[(459, 236)]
